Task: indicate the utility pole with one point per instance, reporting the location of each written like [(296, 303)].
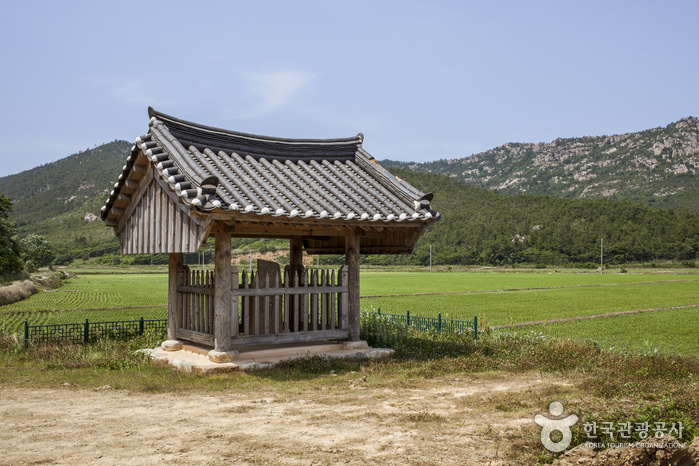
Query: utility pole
[(601, 255), (430, 258)]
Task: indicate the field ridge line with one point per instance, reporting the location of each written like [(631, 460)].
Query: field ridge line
[(596, 316), (44, 311), (521, 289)]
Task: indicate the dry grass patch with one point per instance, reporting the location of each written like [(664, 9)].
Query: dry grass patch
[(17, 291)]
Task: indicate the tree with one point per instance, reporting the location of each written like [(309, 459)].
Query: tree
[(36, 252), (10, 261)]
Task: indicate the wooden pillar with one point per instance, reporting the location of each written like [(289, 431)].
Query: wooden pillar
[(296, 253), (176, 260), (222, 293), (352, 262)]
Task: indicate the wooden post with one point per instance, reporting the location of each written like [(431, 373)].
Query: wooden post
[(173, 302), (222, 293), (352, 262), (296, 253)]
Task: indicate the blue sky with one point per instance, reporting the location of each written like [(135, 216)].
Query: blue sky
[(421, 80)]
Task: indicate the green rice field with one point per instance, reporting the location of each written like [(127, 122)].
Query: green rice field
[(500, 298), (674, 331)]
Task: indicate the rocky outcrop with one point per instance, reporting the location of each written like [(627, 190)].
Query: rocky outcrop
[(636, 166)]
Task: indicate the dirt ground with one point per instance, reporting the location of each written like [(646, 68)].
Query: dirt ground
[(451, 421)]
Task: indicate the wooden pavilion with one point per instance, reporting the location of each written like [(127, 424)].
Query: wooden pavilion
[(184, 182)]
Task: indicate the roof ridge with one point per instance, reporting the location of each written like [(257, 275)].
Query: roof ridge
[(152, 113)]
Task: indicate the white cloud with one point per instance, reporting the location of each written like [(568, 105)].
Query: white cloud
[(277, 88)]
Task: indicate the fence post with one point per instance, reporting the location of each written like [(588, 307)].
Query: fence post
[(140, 326), (475, 327), (407, 319), (26, 334), (439, 323), (86, 331), (379, 312)]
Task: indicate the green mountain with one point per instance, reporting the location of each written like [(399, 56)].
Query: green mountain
[(656, 167), (62, 200), (582, 179), (483, 227)]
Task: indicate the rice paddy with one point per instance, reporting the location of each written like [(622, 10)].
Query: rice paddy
[(502, 298)]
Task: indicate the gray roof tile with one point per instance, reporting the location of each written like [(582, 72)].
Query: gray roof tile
[(276, 177)]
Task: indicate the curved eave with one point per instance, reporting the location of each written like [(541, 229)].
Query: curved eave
[(203, 188)]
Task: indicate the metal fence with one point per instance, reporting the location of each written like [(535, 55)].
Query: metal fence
[(87, 331), (434, 323)]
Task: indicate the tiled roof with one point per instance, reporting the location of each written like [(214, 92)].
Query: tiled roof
[(215, 170)]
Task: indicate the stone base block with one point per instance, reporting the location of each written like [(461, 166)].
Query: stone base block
[(380, 353), (222, 356), (361, 344), (171, 345)]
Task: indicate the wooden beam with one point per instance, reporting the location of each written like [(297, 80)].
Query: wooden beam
[(140, 168), (123, 197), (117, 211), (352, 262), (110, 222), (246, 229), (131, 184), (222, 290)]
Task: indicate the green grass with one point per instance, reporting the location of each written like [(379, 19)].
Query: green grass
[(672, 331), (99, 291), (90, 296), (373, 283), (502, 308)]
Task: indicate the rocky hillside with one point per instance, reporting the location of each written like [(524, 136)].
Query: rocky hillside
[(657, 167)]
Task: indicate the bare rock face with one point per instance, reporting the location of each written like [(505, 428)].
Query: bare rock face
[(664, 451)]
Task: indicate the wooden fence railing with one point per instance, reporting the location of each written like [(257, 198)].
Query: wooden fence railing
[(303, 305)]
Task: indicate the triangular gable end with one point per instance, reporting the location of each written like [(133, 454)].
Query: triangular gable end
[(154, 221)]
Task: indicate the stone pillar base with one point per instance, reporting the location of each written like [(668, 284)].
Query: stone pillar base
[(171, 345), (222, 356), (361, 344)]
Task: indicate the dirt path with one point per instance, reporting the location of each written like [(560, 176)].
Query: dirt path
[(449, 423)]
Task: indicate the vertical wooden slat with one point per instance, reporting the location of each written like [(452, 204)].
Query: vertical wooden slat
[(277, 312), (207, 305), (342, 297), (235, 316), (333, 297), (246, 305), (176, 223), (304, 302), (323, 302), (148, 221), (314, 301), (286, 301), (266, 307)]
